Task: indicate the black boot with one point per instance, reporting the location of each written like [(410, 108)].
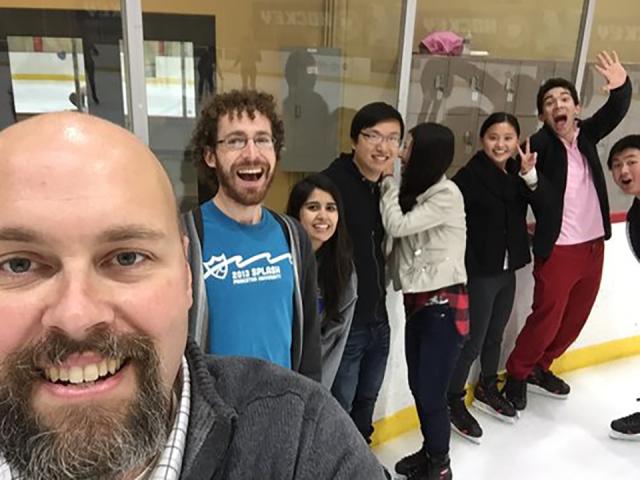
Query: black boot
[(462, 422), (516, 392), (416, 462), (490, 400), (439, 468)]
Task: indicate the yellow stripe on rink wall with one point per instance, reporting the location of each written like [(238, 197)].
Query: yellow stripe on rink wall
[(595, 354), (45, 77), (407, 419)]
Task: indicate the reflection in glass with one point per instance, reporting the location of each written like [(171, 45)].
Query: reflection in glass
[(169, 78), (47, 74), (508, 53)]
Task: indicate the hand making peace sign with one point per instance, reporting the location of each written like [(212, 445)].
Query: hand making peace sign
[(527, 158)]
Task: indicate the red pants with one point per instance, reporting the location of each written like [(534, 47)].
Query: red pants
[(566, 285)]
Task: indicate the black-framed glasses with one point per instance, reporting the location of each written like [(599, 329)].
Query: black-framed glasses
[(239, 142), (374, 138)]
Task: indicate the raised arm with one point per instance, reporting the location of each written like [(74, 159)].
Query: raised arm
[(422, 217), (613, 111)]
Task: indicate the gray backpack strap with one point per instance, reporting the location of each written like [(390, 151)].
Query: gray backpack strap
[(291, 233), (199, 312)]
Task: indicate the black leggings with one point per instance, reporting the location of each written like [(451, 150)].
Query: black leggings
[(490, 304)]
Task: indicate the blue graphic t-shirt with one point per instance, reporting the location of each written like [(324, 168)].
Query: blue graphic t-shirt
[(248, 275)]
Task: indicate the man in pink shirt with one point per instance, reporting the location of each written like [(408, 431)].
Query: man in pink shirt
[(568, 244)]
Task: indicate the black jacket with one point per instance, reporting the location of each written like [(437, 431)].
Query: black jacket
[(552, 163), (495, 204), (633, 227), (361, 199), (250, 419)]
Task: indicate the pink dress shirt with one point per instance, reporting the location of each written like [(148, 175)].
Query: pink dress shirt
[(581, 217)]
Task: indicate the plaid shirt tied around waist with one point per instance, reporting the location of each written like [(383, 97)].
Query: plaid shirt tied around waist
[(455, 296)]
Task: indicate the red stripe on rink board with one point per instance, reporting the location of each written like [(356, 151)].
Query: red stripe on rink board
[(618, 217)]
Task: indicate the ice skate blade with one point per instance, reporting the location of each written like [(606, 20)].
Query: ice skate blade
[(545, 393), (630, 437)]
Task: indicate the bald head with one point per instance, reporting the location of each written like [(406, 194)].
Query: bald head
[(55, 152), (83, 145)]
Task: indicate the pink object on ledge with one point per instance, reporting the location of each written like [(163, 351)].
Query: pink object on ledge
[(443, 43)]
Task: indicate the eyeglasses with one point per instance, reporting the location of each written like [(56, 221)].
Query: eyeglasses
[(375, 138), (239, 142)]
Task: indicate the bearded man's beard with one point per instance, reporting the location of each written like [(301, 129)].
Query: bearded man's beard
[(80, 442), (247, 197)]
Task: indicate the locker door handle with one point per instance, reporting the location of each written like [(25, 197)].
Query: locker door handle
[(438, 84), (508, 86), (474, 83)]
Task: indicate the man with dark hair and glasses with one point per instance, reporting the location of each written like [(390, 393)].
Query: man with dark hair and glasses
[(254, 271), (376, 134)]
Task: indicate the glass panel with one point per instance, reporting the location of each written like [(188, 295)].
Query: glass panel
[(321, 59), (60, 57), (46, 74), (615, 27), (53, 58), (169, 76), (508, 49)]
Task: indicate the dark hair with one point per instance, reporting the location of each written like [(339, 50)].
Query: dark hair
[(499, 117), (555, 83), (335, 264), (431, 155), (233, 103), (372, 114), (630, 141)]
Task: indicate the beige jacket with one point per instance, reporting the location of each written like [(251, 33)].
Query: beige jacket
[(428, 241)]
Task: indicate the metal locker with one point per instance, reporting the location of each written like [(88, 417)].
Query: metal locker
[(531, 76), (466, 80), (429, 87), (464, 127), (563, 70), (500, 85), (529, 124)]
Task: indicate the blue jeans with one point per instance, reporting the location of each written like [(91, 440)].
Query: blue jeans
[(432, 346), (361, 372)]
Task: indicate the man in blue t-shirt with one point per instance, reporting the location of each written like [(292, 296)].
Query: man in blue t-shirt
[(254, 271)]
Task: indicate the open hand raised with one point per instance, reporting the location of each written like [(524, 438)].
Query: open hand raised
[(611, 69)]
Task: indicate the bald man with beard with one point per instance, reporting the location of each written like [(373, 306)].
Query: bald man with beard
[(97, 376)]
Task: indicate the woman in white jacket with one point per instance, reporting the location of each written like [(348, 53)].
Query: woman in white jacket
[(425, 216)]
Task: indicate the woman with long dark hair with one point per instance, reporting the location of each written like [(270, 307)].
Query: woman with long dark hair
[(497, 186), (425, 217), (315, 201)]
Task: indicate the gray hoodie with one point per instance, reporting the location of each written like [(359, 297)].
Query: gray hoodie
[(251, 419)]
